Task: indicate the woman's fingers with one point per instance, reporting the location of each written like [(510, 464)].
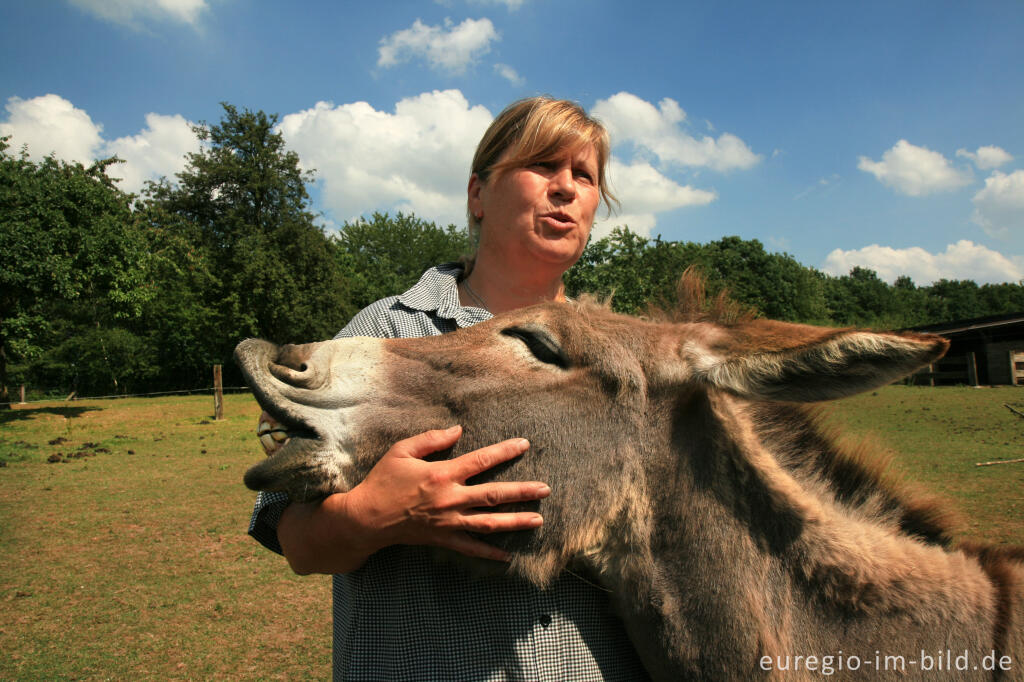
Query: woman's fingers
[(426, 443), (467, 465), (479, 461), (410, 501), (493, 494), (499, 522)]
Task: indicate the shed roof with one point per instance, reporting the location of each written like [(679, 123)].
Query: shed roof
[(1011, 323)]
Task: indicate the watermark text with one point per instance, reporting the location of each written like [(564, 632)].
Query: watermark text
[(939, 661)]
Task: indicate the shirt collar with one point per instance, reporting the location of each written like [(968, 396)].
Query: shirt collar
[(438, 292)]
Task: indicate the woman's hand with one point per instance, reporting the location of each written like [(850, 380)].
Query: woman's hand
[(405, 500)]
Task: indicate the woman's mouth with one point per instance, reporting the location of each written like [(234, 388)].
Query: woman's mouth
[(558, 220)]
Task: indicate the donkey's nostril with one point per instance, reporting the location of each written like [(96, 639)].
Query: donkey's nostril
[(293, 365), (294, 357)]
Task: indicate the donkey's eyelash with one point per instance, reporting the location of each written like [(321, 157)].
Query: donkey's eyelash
[(541, 345)]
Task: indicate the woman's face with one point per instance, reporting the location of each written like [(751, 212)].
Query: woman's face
[(541, 213)]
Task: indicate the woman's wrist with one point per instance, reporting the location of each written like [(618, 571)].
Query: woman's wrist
[(323, 537)]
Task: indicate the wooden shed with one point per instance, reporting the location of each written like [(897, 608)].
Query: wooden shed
[(983, 351)]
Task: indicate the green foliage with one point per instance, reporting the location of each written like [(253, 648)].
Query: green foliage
[(632, 270), (67, 234), (775, 284), (385, 256), (242, 205), (99, 361), (180, 322), (636, 271)]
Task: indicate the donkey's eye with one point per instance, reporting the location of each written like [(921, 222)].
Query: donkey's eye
[(541, 345)]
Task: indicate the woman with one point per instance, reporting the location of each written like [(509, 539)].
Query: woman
[(537, 178)]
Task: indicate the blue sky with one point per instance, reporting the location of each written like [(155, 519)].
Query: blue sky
[(881, 134)]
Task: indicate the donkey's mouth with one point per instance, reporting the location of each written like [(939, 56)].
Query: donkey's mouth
[(290, 446), (274, 434)]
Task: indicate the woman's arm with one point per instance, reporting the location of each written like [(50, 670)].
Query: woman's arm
[(406, 500)]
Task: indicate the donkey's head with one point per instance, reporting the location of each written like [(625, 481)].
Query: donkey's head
[(595, 393)]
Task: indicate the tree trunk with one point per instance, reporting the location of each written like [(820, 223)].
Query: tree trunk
[(5, 398)]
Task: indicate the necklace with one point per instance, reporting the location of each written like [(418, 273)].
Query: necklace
[(476, 296)]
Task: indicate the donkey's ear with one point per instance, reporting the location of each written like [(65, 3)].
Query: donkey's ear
[(768, 360)]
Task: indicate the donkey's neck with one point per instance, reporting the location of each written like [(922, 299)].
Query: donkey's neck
[(755, 561)]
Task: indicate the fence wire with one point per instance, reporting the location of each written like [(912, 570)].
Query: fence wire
[(124, 395)]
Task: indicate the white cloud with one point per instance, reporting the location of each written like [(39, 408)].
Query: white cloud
[(638, 185), (640, 223), (509, 74), (643, 192), (658, 130), (415, 159), (987, 157), (963, 260), (999, 206), (914, 170), (132, 12), (158, 150), (51, 124), (449, 48)]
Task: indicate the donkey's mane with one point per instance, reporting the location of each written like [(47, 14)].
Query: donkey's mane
[(858, 473), (692, 304)]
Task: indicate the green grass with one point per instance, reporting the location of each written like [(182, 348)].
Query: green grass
[(937, 435), (134, 563)]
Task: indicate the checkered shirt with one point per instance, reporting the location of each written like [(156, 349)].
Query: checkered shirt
[(405, 616)]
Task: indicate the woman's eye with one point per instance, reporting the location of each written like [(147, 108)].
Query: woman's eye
[(584, 175), (541, 345)]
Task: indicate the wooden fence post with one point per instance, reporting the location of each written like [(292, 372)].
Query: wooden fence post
[(22, 393), (972, 369), (218, 394)]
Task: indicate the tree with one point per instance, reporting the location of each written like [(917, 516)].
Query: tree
[(180, 320), (641, 271), (67, 235), (775, 284), (1001, 299), (948, 300), (861, 298), (242, 202), (633, 270)]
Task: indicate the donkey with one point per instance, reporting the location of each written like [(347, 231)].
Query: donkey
[(737, 537)]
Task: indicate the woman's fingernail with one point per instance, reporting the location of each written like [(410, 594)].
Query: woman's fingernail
[(544, 490), (537, 521)]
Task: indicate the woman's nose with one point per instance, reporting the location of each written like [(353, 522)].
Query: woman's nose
[(562, 183)]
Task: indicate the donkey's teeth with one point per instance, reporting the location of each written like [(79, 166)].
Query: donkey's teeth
[(272, 441), (268, 444)]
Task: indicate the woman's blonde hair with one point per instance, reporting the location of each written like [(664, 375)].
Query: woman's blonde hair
[(539, 129)]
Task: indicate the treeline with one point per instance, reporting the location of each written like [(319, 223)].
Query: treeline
[(103, 292), (638, 271)]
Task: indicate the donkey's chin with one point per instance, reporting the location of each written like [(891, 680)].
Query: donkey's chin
[(299, 468)]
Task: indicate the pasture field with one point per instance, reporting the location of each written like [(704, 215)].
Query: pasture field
[(135, 563), (131, 560)]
